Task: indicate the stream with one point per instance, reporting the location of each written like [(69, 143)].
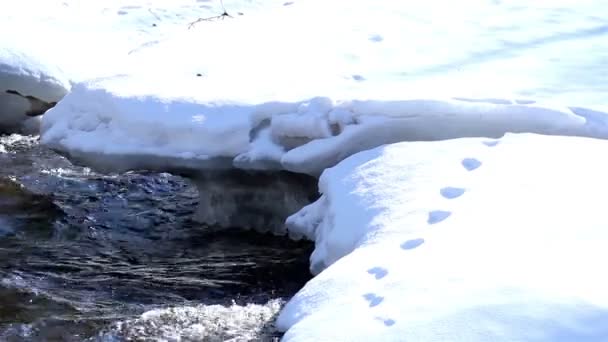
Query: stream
[(92, 257)]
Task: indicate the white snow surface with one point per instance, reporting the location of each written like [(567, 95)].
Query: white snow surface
[(458, 240), (306, 136), (327, 79)]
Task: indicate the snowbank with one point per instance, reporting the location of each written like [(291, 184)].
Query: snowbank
[(461, 240), (270, 90), (28, 87), (157, 131)]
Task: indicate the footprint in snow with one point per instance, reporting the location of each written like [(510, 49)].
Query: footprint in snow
[(451, 192), (411, 244), (373, 299), (378, 272), (491, 143), (471, 164), (376, 38), (387, 321), (437, 216), (358, 78)]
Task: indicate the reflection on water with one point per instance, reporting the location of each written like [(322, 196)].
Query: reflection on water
[(88, 259)]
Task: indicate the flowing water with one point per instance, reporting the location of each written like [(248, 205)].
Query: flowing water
[(90, 257)]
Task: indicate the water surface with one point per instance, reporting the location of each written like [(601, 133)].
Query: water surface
[(84, 255)]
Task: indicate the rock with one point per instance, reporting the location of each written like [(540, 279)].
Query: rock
[(28, 88), (17, 201)]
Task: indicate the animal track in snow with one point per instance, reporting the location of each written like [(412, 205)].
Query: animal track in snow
[(387, 321), (491, 143), (471, 164), (378, 272), (437, 216), (411, 244), (373, 299), (358, 78), (376, 38), (451, 192)]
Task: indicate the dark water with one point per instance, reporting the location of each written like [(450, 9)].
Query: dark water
[(87, 258)]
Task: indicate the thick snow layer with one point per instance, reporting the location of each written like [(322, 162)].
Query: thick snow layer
[(22, 75), (269, 89), (92, 39), (306, 136), (460, 240)]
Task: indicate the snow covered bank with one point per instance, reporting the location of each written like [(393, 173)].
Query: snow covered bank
[(239, 90), (169, 133), (86, 40), (28, 87), (460, 240), (92, 39)]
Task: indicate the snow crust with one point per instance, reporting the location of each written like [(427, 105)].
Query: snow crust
[(461, 240)]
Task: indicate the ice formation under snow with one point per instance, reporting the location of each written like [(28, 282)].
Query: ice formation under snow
[(306, 136)]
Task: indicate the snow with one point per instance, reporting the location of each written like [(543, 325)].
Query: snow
[(26, 75), (457, 240), (379, 74), (304, 137), (431, 225)]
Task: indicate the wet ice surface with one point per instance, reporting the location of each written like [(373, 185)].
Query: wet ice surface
[(123, 246)]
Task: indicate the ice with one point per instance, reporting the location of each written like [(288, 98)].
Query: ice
[(517, 259)]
